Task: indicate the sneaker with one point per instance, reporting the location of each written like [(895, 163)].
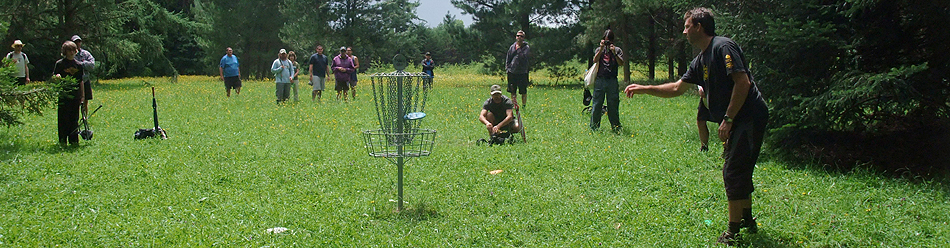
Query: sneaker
[(750, 225), (728, 238), (704, 148)]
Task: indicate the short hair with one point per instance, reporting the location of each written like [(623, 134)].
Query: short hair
[(292, 54), (318, 46), (703, 17), (69, 46), (521, 32)]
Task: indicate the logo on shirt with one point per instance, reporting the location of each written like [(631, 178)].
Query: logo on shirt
[(728, 62), (705, 73), (72, 70)]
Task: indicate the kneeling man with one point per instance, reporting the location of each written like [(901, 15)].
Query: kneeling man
[(497, 113)]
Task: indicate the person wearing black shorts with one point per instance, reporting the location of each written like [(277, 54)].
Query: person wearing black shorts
[(497, 113), (734, 101), (516, 65), (702, 116), (230, 72)]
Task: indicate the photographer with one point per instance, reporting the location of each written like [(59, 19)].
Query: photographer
[(610, 58)]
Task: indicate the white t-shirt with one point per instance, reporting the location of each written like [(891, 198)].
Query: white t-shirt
[(21, 61)]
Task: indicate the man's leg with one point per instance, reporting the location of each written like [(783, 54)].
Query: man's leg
[(228, 90), (612, 95), (237, 90), (703, 135), (597, 104)]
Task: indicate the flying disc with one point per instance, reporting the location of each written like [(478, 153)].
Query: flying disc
[(415, 115)]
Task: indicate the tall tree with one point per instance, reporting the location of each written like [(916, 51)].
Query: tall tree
[(550, 25), (126, 37), (250, 28)]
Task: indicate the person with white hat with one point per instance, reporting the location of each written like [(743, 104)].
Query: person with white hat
[(22, 61), (88, 63), (497, 113), (282, 72)]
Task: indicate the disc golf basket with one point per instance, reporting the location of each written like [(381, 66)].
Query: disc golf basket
[(400, 99)]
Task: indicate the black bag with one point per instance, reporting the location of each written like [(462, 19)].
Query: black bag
[(144, 133)]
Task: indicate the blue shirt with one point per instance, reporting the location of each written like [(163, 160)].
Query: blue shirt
[(230, 65)]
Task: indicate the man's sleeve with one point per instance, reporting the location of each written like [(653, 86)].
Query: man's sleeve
[(90, 64), (732, 56), (694, 74)]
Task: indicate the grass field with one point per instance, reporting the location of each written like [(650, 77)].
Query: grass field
[(235, 167)]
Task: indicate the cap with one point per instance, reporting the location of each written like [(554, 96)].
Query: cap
[(75, 38), (343, 48), (17, 43), (428, 54), (282, 51), (495, 89)]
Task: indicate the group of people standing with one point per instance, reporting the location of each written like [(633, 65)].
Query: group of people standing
[(286, 72), (76, 64)]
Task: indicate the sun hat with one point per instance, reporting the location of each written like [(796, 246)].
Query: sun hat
[(495, 89), (17, 43)]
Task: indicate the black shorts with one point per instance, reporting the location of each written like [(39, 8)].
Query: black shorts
[(517, 82), (232, 82), (702, 114), (88, 90), (21, 81), (741, 154), (342, 85)]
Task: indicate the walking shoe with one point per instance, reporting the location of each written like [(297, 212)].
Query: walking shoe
[(728, 238), (750, 225), (704, 148)]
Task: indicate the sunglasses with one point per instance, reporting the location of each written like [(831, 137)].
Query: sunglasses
[(519, 35)]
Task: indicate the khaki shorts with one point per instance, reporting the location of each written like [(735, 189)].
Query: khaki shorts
[(319, 83)]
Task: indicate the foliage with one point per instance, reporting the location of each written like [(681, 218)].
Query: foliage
[(126, 37), (235, 167), (250, 28), (15, 102), (870, 68), (550, 28)]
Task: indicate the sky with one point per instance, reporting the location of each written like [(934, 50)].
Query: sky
[(433, 11)]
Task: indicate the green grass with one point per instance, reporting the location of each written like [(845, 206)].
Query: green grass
[(234, 167)]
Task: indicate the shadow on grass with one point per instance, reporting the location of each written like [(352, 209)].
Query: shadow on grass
[(132, 84), (12, 148), (765, 239), (415, 213)]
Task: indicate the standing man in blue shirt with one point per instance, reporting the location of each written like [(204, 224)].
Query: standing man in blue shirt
[(230, 72)]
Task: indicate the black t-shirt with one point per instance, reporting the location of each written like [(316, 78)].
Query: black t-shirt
[(711, 70), (69, 68), (609, 63), (319, 63), (499, 110)]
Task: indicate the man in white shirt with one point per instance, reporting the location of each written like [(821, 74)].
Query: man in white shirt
[(22, 61)]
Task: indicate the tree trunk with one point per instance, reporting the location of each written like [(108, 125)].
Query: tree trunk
[(651, 48)]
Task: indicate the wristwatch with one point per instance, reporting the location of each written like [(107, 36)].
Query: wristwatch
[(727, 118)]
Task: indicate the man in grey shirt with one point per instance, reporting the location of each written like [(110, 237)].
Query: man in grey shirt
[(516, 65), (88, 63)]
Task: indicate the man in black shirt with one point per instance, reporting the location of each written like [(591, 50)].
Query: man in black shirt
[(497, 113), (734, 101)]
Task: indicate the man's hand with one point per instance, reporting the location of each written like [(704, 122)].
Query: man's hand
[(490, 127), (725, 128), (634, 89)]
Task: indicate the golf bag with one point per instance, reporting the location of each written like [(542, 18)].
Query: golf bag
[(497, 139), (157, 131)]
